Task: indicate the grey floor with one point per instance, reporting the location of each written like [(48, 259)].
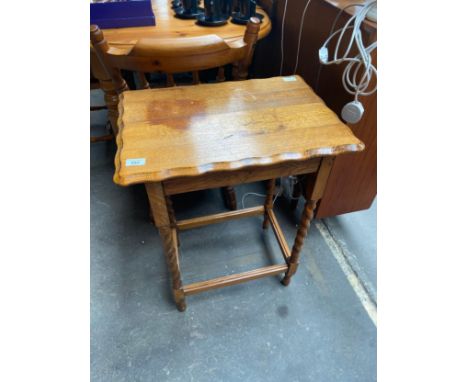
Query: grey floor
[(316, 329)]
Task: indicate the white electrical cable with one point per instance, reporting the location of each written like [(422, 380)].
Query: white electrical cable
[(260, 195), (250, 193), (282, 37), (331, 31), (359, 70), (300, 35), (362, 59), (301, 27)]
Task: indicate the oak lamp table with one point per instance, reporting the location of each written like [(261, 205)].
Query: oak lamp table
[(183, 139)]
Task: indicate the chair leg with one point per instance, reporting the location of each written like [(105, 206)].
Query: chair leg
[(159, 208), (296, 194), (102, 138), (229, 196), (268, 201)]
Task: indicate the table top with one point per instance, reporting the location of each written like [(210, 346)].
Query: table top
[(167, 26), (192, 130)]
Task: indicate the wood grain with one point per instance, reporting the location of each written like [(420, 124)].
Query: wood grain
[(184, 55), (112, 84), (353, 182), (352, 185), (168, 56), (279, 235), (162, 218), (307, 215), (270, 190), (229, 196), (219, 218), (169, 27), (237, 278), (313, 186), (173, 56), (240, 176), (342, 4), (187, 131)]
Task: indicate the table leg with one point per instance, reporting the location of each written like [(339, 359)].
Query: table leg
[(172, 218), (158, 203), (307, 216), (268, 201), (315, 186), (142, 81)]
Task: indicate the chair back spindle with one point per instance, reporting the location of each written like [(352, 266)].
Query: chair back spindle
[(142, 81)]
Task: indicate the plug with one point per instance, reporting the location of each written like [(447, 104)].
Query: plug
[(352, 112), (323, 55)]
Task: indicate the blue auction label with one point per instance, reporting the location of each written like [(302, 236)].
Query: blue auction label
[(135, 162)]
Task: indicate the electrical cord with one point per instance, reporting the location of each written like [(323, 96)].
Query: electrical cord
[(260, 195), (300, 35), (301, 27), (282, 37), (363, 58), (359, 69)]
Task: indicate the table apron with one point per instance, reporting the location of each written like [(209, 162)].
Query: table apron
[(235, 177)]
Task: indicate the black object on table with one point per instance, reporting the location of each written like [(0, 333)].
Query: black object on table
[(235, 6), (176, 3), (244, 10), (188, 10), (217, 12)]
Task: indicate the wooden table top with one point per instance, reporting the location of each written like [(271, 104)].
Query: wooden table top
[(169, 27), (192, 130)]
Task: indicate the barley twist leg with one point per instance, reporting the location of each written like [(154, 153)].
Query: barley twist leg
[(307, 216)]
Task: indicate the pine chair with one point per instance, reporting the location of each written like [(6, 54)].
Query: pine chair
[(94, 84), (170, 56)]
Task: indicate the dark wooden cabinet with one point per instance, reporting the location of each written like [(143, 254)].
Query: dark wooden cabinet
[(352, 185)]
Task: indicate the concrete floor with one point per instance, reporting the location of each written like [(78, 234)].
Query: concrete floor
[(316, 329)]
